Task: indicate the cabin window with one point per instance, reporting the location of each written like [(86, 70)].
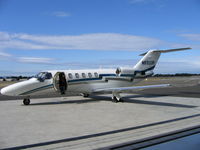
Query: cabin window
[(89, 75), (76, 75), (96, 74), (83, 75), (70, 76)]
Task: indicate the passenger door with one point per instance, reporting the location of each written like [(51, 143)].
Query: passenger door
[(56, 82)]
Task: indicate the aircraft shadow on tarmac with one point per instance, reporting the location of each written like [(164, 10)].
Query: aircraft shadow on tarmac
[(92, 99), (135, 101), (127, 99), (188, 92), (66, 102)]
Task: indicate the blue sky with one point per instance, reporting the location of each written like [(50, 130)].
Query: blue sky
[(39, 35)]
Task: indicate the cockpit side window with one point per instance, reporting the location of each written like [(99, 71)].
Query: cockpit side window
[(48, 76), (43, 75)]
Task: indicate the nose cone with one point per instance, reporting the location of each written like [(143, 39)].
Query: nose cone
[(18, 88), (7, 91), (14, 89)]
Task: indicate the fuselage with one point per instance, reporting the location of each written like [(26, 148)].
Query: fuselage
[(78, 81)]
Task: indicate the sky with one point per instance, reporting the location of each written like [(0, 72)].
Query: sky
[(38, 35)]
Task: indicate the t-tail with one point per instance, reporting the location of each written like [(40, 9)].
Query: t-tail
[(150, 59)]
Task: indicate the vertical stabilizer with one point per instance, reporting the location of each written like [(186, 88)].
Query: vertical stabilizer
[(150, 59), (148, 62)]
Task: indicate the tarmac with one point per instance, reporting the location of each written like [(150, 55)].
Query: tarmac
[(75, 122)]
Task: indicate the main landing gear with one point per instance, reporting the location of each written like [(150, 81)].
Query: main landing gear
[(26, 101), (116, 98), (85, 94)]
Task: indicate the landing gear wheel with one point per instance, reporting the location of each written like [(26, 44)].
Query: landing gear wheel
[(26, 101), (114, 99), (121, 100), (85, 95)]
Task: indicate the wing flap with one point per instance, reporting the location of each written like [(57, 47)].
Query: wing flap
[(126, 89)]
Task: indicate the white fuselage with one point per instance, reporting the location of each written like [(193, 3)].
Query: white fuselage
[(93, 79)]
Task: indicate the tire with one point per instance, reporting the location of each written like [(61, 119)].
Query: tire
[(121, 100), (85, 95), (114, 99), (26, 101)]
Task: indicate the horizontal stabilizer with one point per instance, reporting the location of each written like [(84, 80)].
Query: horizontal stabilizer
[(168, 50)]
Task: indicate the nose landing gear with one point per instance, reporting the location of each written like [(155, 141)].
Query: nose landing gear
[(85, 94), (26, 101)]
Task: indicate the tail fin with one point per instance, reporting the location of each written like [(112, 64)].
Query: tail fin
[(150, 59)]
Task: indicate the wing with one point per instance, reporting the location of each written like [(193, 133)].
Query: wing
[(129, 89)]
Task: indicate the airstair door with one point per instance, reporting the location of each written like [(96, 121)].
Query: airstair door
[(60, 82)]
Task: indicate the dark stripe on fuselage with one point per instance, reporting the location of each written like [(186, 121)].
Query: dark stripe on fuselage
[(37, 89), (86, 79), (103, 75), (127, 75)]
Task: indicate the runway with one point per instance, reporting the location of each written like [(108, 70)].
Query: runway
[(75, 122)]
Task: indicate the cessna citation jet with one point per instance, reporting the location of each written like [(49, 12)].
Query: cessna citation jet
[(86, 82)]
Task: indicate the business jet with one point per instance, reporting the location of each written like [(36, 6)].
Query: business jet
[(86, 82)]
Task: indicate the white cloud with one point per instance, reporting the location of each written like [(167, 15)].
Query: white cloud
[(61, 14), (94, 41), (5, 56), (193, 37), (180, 65), (20, 44), (2, 54), (38, 60), (4, 36)]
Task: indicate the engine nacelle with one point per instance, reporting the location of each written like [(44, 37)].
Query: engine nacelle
[(149, 73), (131, 72), (120, 71)]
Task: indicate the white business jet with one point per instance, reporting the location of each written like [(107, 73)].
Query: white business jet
[(86, 82)]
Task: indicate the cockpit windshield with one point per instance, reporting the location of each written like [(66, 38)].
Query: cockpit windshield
[(43, 75)]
